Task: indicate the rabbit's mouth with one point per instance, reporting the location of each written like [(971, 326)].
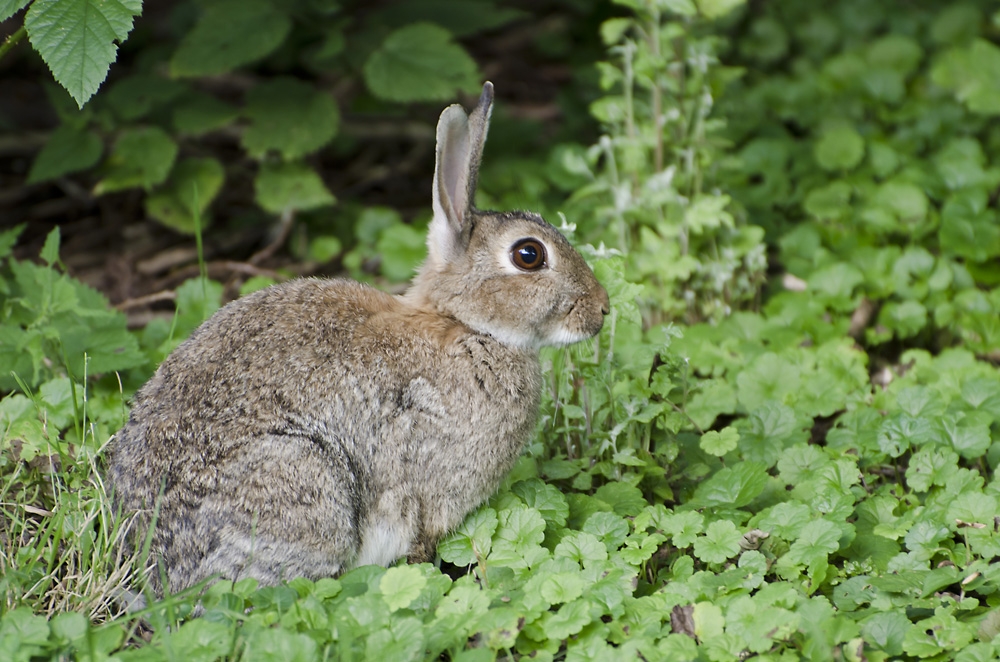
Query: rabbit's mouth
[(579, 323)]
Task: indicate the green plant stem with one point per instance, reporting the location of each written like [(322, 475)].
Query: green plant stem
[(12, 41)]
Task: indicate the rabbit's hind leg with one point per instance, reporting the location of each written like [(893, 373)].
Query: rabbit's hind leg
[(288, 507)]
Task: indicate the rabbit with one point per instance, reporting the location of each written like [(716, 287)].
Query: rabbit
[(321, 424)]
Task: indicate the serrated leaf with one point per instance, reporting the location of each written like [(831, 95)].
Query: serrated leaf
[(289, 117), (230, 34), (720, 442), (50, 250), (816, 541), (732, 486), (623, 498), (76, 39), (10, 7), (401, 585), (141, 157), (584, 548), (545, 498), (471, 540), (290, 186), (69, 149), (569, 620), (720, 542), (609, 528), (420, 62), (181, 204)]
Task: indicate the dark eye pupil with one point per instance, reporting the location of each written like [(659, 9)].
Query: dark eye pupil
[(528, 254)]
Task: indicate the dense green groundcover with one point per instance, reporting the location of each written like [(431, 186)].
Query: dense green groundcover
[(798, 467)]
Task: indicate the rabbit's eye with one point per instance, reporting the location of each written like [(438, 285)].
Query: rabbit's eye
[(528, 254)]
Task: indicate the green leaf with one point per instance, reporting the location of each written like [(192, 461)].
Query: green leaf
[(732, 486), (721, 442), (420, 62), (768, 377), (683, 528), (720, 542), (401, 585), (8, 238), (230, 34), (201, 639), (69, 149), (10, 7), (545, 498), (402, 249), (289, 117), (970, 72), (50, 250), (623, 498), (562, 587), (76, 39), (181, 204), (817, 540), (267, 644), (569, 620), (713, 9), (137, 95), (839, 148), (471, 540), (141, 157), (584, 548), (200, 113), (290, 186), (609, 528)]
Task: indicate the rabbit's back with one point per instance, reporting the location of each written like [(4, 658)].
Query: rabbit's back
[(316, 425)]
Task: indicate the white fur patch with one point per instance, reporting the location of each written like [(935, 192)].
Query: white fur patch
[(383, 544)]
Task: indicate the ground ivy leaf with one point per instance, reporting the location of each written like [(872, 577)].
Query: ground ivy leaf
[(401, 585), (930, 466), (474, 536), (818, 539), (768, 430), (610, 529), (281, 187), (971, 441), (420, 62), (732, 486), (582, 547), (76, 39), (202, 640), (708, 621), (720, 442), (683, 528), (768, 377), (230, 34), (290, 117), (562, 587), (720, 542), (784, 519), (548, 500), (569, 620), (625, 499), (759, 627), (639, 547)]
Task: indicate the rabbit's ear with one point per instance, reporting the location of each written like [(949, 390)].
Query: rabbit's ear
[(460, 141)]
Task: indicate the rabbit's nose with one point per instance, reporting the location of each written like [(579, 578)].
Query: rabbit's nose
[(605, 302)]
